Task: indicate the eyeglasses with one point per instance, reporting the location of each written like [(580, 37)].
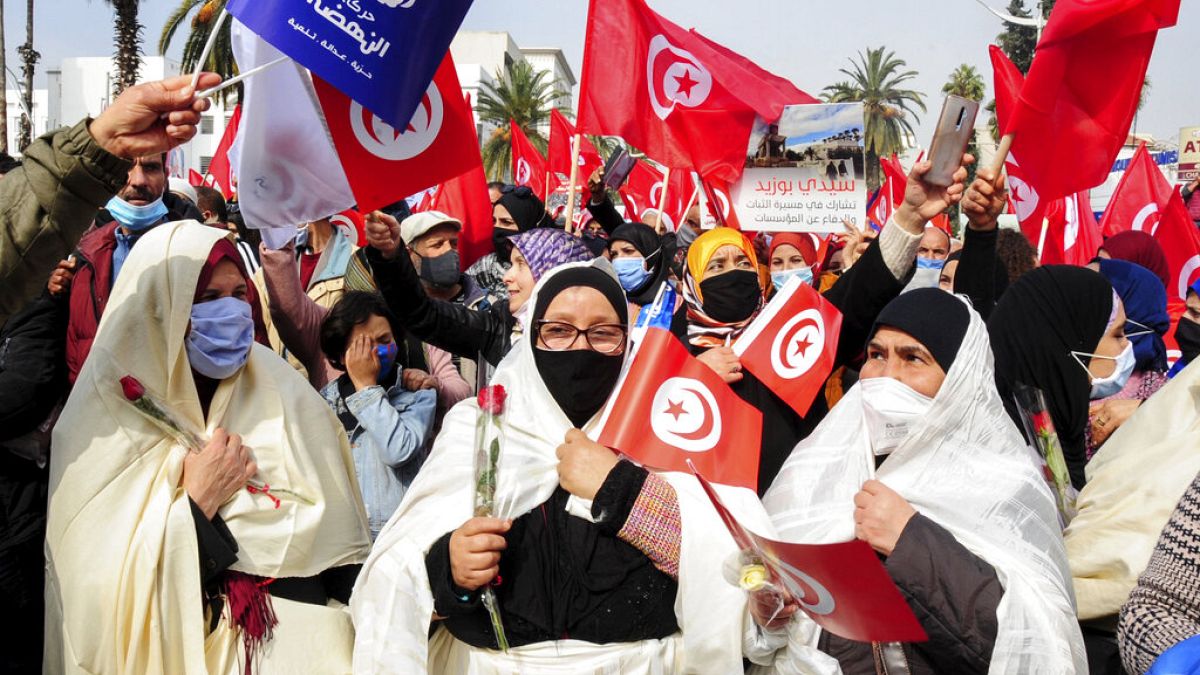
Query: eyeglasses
[(606, 338), (521, 191), (1134, 329)]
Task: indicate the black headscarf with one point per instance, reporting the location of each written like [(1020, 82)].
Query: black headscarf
[(935, 318), (580, 380), (1045, 315), (657, 251), (526, 209)]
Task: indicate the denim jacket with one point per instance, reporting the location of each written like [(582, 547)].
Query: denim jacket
[(389, 435)]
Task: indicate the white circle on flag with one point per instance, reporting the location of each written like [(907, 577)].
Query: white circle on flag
[(685, 81), (793, 577), (524, 172), (1143, 216), (380, 139), (343, 223), (684, 414), (798, 345), (1185, 275), (1071, 230), (1025, 198)]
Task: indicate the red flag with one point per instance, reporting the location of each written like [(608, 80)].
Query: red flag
[(720, 204), (1082, 90), (562, 134), (638, 188), (1180, 242), (383, 165), (426, 201), (1072, 233), (670, 408), (891, 193), (1140, 198), (1024, 198), (529, 167), (194, 178), (351, 223), (792, 344), (219, 167), (672, 93), (843, 588), (466, 197)]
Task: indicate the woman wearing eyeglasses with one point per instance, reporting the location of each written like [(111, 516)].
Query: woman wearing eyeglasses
[(598, 565)]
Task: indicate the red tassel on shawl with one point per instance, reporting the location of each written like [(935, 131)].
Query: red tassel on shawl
[(250, 611)]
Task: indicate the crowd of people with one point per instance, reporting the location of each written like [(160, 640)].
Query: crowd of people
[(222, 458)]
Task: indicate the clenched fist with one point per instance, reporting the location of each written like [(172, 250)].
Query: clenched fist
[(583, 464), (880, 515)]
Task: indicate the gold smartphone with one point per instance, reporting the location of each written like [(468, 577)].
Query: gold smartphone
[(950, 139)]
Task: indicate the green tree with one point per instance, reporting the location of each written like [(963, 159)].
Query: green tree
[(520, 94), (878, 80), (220, 59), (127, 37), (29, 59)]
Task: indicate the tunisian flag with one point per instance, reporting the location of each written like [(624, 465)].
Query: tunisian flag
[(383, 164), (891, 193), (842, 587), (1025, 200), (558, 153), (1140, 198), (670, 408), (1072, 233), (529, 167), (219, 167), (1079, 99), (638, 188), (792, 344), (672, 93), (466, 197)]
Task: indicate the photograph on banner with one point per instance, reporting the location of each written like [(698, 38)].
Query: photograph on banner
[(805, 172), (1189, 155)]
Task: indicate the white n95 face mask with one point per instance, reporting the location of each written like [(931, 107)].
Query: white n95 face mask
[(891, 410)]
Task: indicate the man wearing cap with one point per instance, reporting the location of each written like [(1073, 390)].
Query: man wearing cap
[(432, 241)]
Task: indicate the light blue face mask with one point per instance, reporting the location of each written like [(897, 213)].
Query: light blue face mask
[(1103, 387), (929, 263), (779, 279), (222, 332), (631, 272), (136, 218)]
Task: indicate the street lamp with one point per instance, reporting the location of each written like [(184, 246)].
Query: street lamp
[(1035, 21)]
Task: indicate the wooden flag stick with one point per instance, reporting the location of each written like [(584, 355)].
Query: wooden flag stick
[(691, 202), (1001, 154), (208, 45), (234, 80), (662, 199), (570, 222)]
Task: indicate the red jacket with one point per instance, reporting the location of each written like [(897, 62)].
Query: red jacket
[(89, 293)]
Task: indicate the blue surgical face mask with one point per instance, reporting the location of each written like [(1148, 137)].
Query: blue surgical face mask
[(387, 359), (136, 218), (929, 263), (1103, 387), (222, 332), (631, 272), (779, 279)]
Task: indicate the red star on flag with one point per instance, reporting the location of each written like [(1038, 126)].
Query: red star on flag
[(675, 409), (685, 83)]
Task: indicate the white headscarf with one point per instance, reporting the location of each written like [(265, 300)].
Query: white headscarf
[(967, 469), (392, 601)]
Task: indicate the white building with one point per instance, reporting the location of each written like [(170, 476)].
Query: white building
[(16, 110)]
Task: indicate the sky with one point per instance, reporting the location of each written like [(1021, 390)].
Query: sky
[(805, 41)]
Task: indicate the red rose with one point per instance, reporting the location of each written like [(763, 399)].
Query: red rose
[(1042, 424), (491, 399), (132, 389)]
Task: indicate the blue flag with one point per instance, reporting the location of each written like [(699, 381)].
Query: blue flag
[(659, 313), (381, 53)]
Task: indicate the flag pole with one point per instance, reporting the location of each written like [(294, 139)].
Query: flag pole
[(662, 198), (691, 202), (234, 80), (1001, 154), (570, 221), (208, 45), (1042, 238)]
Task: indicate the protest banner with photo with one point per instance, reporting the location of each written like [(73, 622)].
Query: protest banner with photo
[(842, 587), (1189, 154), (806, 172)]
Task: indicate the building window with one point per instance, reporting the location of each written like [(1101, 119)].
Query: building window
[(206, 124), (205, 161)]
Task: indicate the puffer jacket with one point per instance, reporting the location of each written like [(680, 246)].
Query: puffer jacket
[(47, 204)]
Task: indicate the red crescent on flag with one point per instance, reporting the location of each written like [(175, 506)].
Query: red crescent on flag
[(706, 426), (786, 343)]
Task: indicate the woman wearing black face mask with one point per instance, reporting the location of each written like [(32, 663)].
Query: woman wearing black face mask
[(1187, 331), (588, 570)]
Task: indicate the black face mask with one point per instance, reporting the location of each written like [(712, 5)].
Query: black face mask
[(731, 297), (1187, 334), (442, 270), (580, 380), (500, 243)]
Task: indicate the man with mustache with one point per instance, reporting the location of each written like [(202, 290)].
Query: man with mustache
[(83, 281)]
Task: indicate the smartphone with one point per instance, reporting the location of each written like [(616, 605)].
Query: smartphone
[(620, 164), (950, 139)]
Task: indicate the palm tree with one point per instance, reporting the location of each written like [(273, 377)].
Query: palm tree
[(4, 88), (220, 60), (523, 95), (889, 110), (966, 82), (29, 59), (127, 34)]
